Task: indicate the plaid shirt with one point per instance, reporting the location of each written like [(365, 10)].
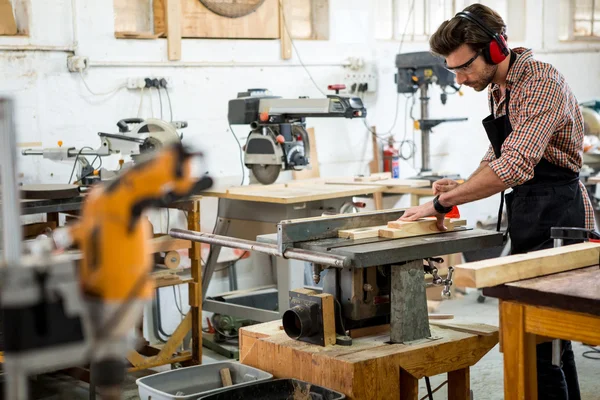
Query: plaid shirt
[(546, 121)]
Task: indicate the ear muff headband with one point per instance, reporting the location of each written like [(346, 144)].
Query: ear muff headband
[(497, 50)]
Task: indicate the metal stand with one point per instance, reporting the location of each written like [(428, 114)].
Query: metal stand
[(16, 381), (409, 318), (425, 125)]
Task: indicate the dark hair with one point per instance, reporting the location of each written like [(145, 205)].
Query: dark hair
[(453, 33)]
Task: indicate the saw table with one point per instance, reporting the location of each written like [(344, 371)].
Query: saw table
[(374, 284)]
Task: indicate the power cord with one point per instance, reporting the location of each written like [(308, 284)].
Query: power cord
[(592, 354), (285, 25), (122, 86), (431, 392), (241, 154), (77, 159)]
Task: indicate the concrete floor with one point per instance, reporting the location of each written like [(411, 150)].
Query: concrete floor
[(486, 376)]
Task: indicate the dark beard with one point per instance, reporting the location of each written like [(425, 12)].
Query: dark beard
[(484, 82)]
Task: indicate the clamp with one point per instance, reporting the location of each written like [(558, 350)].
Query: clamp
[(437, 279)]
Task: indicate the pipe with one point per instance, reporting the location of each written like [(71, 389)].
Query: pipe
[(266, 248), (11, 205), (34, 47), (210, 64), (74, 26)]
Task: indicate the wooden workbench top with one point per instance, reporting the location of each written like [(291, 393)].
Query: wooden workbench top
[(577, 290), (293, 192)]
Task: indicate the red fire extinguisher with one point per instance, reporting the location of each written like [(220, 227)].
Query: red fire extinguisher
[(390, 157)]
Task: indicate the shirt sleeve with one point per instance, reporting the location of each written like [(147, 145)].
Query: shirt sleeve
[(489, 155), (541, 113)]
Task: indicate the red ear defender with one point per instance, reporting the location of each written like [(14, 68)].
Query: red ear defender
[(498, 50)]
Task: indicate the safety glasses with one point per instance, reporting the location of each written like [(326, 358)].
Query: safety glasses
[(464, 68)]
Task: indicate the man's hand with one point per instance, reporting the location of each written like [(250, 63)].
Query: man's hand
[(444, 185), (424, 210)]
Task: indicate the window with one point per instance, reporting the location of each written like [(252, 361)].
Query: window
[(580, 19), (416, 20)]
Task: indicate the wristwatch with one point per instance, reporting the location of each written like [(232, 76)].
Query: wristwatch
[(440, 208)]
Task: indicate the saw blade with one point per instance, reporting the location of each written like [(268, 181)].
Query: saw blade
[(266, 174)]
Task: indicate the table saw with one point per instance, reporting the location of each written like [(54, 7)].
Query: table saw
[(369, 282)]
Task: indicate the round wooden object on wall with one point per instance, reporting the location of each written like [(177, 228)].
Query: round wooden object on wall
[(50, 191), (232, 8)]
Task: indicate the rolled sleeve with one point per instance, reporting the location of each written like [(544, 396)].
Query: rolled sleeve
[(489, 155), (539, 117)]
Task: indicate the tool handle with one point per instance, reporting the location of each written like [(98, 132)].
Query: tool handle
[(122, 124), (566, 233)]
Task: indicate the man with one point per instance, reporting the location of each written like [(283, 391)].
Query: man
[(536, 142)]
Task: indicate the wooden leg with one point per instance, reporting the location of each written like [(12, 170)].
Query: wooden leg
[(195, 287), (459, 384), (409, 386), (414, 200), (378, 197), (519, 349)]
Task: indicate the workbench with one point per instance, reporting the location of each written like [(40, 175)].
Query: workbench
[(249, 211), (564, 306), (371, 368)]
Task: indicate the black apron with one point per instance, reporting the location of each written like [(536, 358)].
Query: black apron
[(551, 198)]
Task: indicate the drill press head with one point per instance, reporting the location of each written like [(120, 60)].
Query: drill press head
[(278, 139)]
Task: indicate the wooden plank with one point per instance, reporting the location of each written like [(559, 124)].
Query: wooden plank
[(225, 377), (133, 16), (293, 194), (319, 13), (193, 220), (137, 35), (285, 28), (520, 369), (328, 318), (173, 17), (475, 329), (501, 270), (459, 385), (314, 171), (166, 243), (8, 24), (577, 290), (200, 22), (378, 176), (388, 184), (559, 324), (360, 233), (402, 229)]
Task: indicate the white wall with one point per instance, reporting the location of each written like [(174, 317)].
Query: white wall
[(53, 104)]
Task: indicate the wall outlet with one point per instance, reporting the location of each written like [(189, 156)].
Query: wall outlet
[(139, 82), (77, 63), (360, 82)]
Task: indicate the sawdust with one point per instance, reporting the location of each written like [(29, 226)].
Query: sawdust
[(300, 393)]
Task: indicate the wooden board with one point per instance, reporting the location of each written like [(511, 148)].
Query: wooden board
[(133, 16), (513, 268), (313, 172), (402, 229), (577, 290), (370, 368), (290, 193), (387, 182), (8, 24), (200, 22), (174, 16)]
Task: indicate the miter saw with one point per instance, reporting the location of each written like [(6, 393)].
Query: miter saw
[(137, 138), (278, 139)]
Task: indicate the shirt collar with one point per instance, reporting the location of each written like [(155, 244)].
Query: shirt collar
[(517, 69)]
